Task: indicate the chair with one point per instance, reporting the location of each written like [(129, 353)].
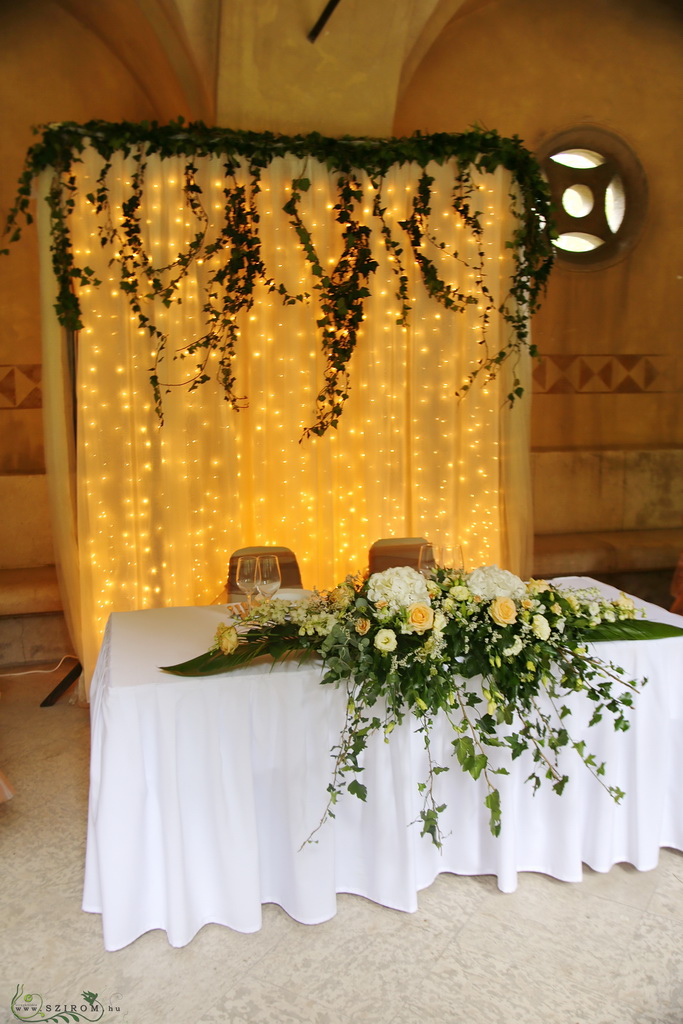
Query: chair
[(393, 551), (289, 569)]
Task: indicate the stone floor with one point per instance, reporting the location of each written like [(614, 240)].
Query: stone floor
[(606, 951)]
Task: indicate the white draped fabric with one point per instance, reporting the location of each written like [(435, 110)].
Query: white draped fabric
[(202, 791), (159, 510)]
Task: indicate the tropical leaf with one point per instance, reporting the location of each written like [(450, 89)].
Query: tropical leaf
[(633, 629), (209, 664), (277, 644)]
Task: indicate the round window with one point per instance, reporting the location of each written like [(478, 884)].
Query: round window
[(599, 193)]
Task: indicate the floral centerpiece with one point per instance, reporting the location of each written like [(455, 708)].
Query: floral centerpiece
[(497, 656)]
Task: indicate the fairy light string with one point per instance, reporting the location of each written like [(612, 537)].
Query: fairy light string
[(201, 258)]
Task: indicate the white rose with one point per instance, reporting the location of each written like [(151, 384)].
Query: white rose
[(537, 586), (226, 639)]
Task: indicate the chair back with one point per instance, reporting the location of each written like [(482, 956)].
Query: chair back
[(395, 551), (289, 569)]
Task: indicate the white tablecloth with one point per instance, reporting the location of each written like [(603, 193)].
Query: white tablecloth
[(203, 790)]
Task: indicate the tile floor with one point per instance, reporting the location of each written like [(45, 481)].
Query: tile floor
[(607, 951)]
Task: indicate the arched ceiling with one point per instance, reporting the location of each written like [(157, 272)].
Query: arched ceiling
[(158, 41)]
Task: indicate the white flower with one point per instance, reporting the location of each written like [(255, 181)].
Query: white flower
[(537, 586), (342, 596), (514, 648), (396, 588), (460, 593), (440, 622), (540, 627), (385, 640), (226, 638), (489, 582)]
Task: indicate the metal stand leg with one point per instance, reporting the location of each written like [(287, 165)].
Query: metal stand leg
[(68, 680)]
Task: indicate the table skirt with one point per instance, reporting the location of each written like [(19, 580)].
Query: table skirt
[(204, 791)]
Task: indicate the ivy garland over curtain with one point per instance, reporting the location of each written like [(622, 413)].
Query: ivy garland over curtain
[(363, 285)]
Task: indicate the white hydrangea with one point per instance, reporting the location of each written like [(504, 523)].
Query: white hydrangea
[(489, 582), (396, 588)]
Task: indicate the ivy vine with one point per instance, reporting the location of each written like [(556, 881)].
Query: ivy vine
[(233, 261)]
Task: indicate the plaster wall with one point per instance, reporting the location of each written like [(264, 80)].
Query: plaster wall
[(526, 67), (53, 67), (611, 378), (271, 77)]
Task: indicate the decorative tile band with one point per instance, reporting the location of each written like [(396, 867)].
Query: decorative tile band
[(20, 386), (605, 374)]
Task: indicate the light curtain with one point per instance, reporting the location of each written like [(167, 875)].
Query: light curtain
[(160, 509)]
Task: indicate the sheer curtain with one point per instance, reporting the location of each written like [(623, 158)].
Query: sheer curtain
[(160, 509)]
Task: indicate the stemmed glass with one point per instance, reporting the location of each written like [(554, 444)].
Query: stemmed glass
[(426, 562), (246, 576), (268, 576), (451, 557)]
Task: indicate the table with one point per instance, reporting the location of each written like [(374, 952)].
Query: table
[(202, 791)]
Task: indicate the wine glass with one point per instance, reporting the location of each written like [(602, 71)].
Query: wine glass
[(450, 557), (245, 577), (426, 562), (268, 576)]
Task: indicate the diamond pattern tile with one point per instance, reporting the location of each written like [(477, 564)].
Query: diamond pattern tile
[(605, 374)]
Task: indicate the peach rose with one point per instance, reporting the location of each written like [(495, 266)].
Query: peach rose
[(227, 639), (362, 626), (420, 617), (503, 611)]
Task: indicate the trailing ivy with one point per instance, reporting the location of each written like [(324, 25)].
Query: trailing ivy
[(233, 264)]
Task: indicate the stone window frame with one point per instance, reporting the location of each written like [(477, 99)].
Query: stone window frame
[(619, 159)]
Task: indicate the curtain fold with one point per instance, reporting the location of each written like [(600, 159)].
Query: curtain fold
[(160, 509), (59, 441)]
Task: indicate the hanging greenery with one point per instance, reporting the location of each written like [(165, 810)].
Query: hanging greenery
[(233, 264)]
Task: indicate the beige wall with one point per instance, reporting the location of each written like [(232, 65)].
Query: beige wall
[(55, 67), (526, 67), (533, 68)]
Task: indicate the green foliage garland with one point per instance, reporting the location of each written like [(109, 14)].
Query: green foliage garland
[(234, 261), (499, 659)]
